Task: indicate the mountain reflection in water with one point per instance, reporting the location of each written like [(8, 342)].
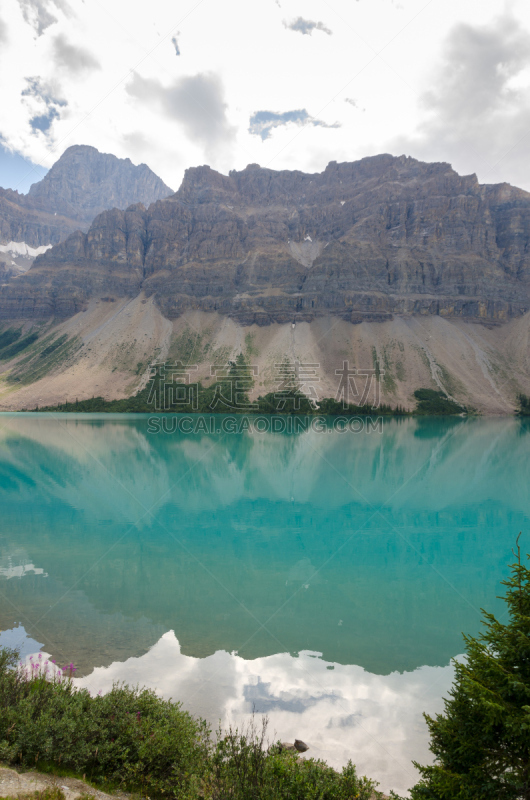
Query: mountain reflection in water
[(374, 550)]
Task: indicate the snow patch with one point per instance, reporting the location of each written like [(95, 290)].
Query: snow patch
[(23, 249), (342, 202), (308, 238)]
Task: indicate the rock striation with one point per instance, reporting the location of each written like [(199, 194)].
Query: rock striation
[(80, 185), (367, 240)]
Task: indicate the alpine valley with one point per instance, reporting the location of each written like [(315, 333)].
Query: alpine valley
[(387, 263)]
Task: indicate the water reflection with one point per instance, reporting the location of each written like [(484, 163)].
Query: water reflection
[(375, 550), (372, 550)]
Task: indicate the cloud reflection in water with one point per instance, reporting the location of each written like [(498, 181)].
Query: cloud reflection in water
[(341, 711)]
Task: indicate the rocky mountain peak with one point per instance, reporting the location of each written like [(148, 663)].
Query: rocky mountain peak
[(79, 186), (84, 182)]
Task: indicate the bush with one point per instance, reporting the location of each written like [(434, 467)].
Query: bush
[(134, 740), (246, 768), (128, 737)]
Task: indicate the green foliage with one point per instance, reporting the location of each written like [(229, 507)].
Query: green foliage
[(524, 405), (18, 346), (245, 768), (8, 337), (481, 743), (228, 395), (330, 407), (435, 403), (133, 740), (128, 737)]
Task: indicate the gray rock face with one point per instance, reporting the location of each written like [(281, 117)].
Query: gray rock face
[(19, 222), (362, 240), (85, 182), (80, 185)]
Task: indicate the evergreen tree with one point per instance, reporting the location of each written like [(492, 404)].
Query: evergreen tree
[(482, 741)]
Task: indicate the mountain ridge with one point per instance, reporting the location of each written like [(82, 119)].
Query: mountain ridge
[(361, 240), (432, 269)]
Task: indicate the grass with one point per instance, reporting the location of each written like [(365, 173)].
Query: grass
[(131, 739)]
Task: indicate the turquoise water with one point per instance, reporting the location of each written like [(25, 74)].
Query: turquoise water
[(332, 554)]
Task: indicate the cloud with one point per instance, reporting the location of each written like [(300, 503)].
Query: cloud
[(175, 43), (75, 59), (37, 13), (196, 102), (477, 111), (354, 103), (3, 32), (137, 142), (43, 103), (262, 123), (307, 26)]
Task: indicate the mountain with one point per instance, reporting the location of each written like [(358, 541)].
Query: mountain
[(432, 268), (85, 182), (363, 240), (81, 184)]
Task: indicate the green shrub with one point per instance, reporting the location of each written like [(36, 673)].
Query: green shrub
[(245, 768), (435, 403), (131, 739), (128, 737)]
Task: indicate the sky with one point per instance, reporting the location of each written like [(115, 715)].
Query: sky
[(287, 84)]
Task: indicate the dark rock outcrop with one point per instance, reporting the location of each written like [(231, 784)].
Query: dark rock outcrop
[(80, 185), (362, 240)]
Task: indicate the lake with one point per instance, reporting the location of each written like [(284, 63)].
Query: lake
[(322, 577)]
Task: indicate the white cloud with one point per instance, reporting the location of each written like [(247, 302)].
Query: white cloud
[(477, 110), (43, 103), (40, 14), (196, 108), (3, 32), (194, 101), (72, 57)]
